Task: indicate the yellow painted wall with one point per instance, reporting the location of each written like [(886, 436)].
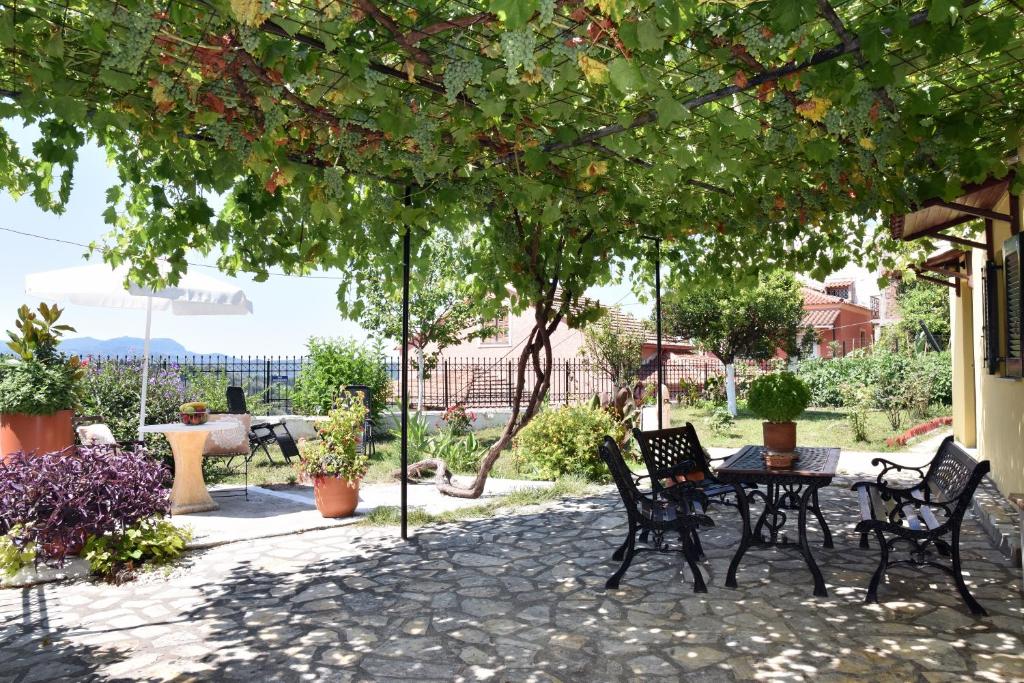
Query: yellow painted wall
[(999, 406), (961, 346)]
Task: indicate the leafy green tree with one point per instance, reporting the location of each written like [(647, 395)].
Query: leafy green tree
[(297, 136), (441, 310), (614, 350), (922, 303), (751, 322)]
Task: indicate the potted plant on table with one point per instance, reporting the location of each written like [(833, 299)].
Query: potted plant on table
[(779, 399), (337, 462), (39, 385)]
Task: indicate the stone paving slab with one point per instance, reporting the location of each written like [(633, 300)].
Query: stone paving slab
[(519, 598), (290, 510)]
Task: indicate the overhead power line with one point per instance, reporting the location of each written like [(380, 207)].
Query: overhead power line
[(72, 243)]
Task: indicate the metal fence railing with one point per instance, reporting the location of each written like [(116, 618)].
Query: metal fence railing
[(269, 377), (476, 382), (490, 383)]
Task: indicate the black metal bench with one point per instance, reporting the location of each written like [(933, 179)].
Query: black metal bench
[(650, 513), (929, 513)]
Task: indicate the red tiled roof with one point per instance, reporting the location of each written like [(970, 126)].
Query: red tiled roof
[(839, 282), (818, 319), (625, 321), (813, 297)]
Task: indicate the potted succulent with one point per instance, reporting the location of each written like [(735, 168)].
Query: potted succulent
[(39, 385), (337, 462), (778, 399)]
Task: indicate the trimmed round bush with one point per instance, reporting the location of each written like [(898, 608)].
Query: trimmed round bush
[(564, 440), (779, 397)]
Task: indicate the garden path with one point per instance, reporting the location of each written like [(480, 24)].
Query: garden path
[(518, 598)]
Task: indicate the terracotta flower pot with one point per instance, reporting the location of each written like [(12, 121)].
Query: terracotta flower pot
[(779, 437), (334, 497), (36, 433)]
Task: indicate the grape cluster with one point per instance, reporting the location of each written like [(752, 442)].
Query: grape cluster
[(249, 39), (127, 47), (335, 181), (517, 48), (546, 12), (460, 73), (424, 134), (220, 132), (274, 117)]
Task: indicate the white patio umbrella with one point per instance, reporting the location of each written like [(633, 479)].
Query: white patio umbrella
[(101, 285)]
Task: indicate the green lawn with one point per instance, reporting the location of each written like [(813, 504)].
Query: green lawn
[(817, 426), (382, 466)]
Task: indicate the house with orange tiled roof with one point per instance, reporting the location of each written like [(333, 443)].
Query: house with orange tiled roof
[(512, 331), (838, 321)]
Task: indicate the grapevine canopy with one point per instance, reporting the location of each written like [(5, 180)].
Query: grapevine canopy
[(747, 134)]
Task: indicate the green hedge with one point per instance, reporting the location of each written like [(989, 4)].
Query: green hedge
[(826, 377)]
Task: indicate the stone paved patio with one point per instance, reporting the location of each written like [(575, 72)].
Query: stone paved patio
[(518, 598)]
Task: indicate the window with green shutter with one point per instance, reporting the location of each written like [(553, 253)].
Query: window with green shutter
[(990, 297), (1014, 307)]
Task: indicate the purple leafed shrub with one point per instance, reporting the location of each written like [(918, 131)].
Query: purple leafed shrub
[(57, 500)]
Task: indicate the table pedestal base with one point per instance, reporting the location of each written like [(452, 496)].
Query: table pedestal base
[(802, 497), (188, 493)]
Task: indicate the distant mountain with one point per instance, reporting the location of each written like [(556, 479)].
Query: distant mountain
[(123, 346)]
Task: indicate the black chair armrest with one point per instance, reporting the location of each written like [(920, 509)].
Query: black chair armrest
[(889, 465), (683, 467), (638, 477)]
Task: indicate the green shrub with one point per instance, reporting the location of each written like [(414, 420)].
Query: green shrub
[(779, 397), (826, 377), (720, 420), (37, 388), (564, 440), (112, 390), (114, 556), (13, 557), (858, 400), (38, 379), (937, 369), (333, 364), (460, 453)]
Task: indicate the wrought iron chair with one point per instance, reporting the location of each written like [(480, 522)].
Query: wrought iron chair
[(262, 434), (367, 394), (676, 452), (684, 514), (908, 514)]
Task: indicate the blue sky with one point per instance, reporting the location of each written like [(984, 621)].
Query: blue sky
[(287, 310)]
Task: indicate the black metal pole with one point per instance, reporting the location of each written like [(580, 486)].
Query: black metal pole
[(405, 372), (657, 318)]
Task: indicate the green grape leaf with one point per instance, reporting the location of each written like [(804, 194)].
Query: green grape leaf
[(515, 13), (649, 36), (625, 75), (670, 110)]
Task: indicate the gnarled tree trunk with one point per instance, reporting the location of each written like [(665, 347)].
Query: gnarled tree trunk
[(549, 310), (536, 352)]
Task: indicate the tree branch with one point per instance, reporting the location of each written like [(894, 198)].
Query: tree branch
[(852, 42), (396, 32), (442, 26)]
